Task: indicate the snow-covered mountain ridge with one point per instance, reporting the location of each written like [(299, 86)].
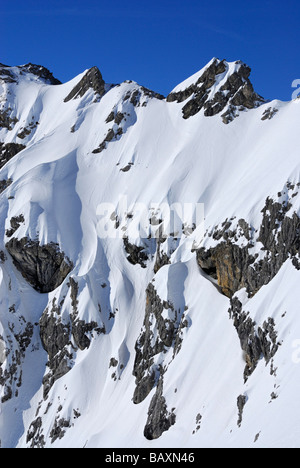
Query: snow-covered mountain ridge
[(126, 321)]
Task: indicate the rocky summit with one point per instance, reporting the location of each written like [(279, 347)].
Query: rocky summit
[(150, 258)]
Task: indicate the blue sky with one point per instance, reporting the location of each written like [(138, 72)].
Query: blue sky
[(156, 43)]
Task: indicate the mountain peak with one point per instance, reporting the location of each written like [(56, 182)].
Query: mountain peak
[(219, 86), (91, 80), (10, 74)]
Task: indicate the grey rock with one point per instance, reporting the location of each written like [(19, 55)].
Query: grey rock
[(7, 120), (235, 267), (91, 80), (236, 93), (15, 223), (40, 72), (8, 151), (256, 342), (45, 267), (269, 113), (241, 402), (159, 418), (4, 184), (137, 255), (35, 434), (59, 428), (147, 374)]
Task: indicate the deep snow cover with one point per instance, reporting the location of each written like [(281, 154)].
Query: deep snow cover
[(136, 345)]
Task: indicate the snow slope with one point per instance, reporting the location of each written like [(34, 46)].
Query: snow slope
[(63, 182)]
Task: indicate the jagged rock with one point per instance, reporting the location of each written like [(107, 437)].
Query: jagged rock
[(229, 264), (256, 342), (136, 254), (15, 223), (8, 151), (237, 93), (269, 113), (168, 336), (61, 338), (45, 267), (41, 72), (135, 97), (144, 387), (241, 402), (7, 121), (55, 337), (91, 80), (59, 428), (4, 184), (26, 131), (35, 434), (13, 348), (235, 267), (206, 80), (6, 74), (268, 339), (159, 418), (55, 334), (80, 328)]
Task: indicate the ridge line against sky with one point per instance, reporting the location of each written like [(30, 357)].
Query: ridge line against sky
[(158, 44)]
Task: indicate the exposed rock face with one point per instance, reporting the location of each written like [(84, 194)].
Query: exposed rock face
[(205, 82), (269, 113), (91, 80), (55, 337), (8, 151), (159, 335), (236, 267), (15, 223), (4, 184), (61, 338), (257, 342), (236, 93), (241, 401), (136, 254), (43, 266), (159, 418), (7, 120), (41, 72), (12, 351), (229, 264), (8, 76)]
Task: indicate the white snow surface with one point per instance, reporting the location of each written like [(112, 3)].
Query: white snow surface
[(58, 184)]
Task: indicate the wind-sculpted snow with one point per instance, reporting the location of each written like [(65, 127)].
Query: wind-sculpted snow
[(149, 262)]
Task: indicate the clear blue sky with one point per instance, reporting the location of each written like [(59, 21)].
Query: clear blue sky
[(156, 43)]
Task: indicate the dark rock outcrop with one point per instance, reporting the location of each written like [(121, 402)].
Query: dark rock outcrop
[(4, 184), (136, 254), (256, 342), (7, 120), (35, 434), (235, 267), (91, 80), (40, 72), (241, 402), (159, 418), (62, 338), (15, 223), (45, 267), (13, 349), (8, 151), (169, 331), (237, 93)]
